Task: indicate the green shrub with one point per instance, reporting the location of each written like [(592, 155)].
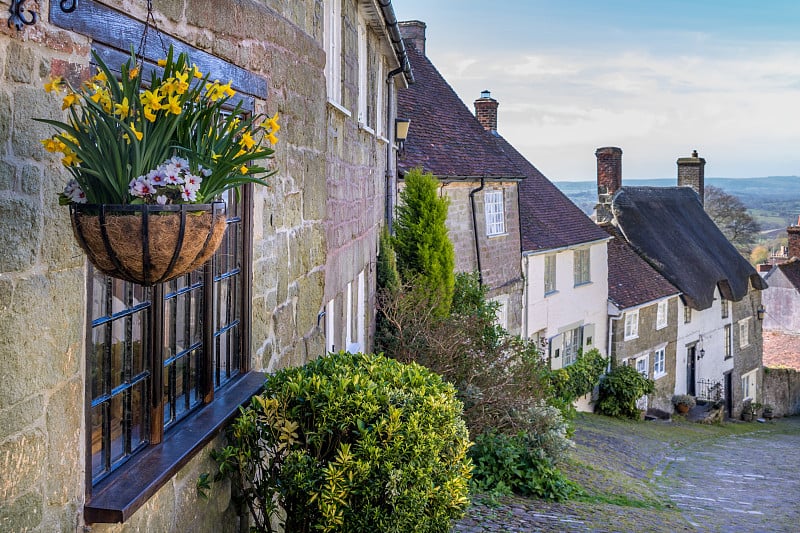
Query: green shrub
[(351, 443), (506, 464), (619, 391), (424, 250)]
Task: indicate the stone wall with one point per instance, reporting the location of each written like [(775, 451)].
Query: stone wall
[(781, 390), (649, 338), (749, 357), (325, 163)]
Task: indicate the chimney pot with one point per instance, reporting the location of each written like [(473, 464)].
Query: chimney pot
[(609, 180), (691, 173), (486, 111)]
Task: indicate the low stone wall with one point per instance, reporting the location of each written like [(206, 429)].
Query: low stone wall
[(781, 390)]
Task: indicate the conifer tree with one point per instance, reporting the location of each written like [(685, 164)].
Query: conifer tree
[(424, 250)]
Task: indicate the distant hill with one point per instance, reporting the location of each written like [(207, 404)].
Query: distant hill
[(774, 200)]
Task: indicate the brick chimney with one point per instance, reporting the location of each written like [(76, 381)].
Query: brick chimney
[(794, 240), (413, 33), (691, 173), (609, 180), (486, 111)]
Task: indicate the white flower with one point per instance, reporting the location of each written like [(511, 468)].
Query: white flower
[(161, 199), (178, 162), (74, 192), (141, 187), (192, 182), (157, 177), (187, 194)]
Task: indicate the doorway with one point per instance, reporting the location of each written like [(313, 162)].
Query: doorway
[(691, 369), (728, 379)]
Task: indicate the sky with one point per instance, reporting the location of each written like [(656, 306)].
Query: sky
[(655, 78)]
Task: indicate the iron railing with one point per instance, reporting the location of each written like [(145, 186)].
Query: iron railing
[(710, 390)]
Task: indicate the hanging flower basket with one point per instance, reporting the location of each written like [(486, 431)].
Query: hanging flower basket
[(148, 244), (151, 151)]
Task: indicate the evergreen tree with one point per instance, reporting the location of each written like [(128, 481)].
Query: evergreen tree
[(424, 250)]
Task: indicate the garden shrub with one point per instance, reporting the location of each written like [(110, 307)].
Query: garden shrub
[(619, 391), (506, 464), (351, 443), (424, 250)]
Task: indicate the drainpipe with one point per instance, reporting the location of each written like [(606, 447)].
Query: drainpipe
[(475, 229), (525, 277)]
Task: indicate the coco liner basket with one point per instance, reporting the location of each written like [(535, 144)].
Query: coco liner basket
[(148, 244)]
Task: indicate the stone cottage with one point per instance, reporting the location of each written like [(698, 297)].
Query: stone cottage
[(718, 352), (643, 319), (479, 179), (112, 394)]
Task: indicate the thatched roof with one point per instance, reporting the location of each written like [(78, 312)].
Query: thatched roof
[(669, 229)]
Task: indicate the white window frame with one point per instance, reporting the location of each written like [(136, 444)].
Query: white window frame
[(333, 50), (631, 325), (659, 363), (687, 314), (724, 309), (744, 332), (728, 341), (494, 209), (573, 341), (662, 314), (501, 316), (749, 386), (330, 323), (643, 365), (363, 68), (380, 113), (582, 269), (549, 274)]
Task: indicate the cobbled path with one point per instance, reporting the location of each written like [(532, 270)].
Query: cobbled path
[(746, 483), (743, 483)]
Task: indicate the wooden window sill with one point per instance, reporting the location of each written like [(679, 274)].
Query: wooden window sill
[(118, 496)]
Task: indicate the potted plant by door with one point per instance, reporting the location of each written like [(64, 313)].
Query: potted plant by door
[(150, 157), (683, 403), (767, 412)]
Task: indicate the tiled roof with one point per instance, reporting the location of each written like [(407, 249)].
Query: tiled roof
[(548, 219), (791, 269), (781, 350), (631, 280), (445, 138), (669, 229)]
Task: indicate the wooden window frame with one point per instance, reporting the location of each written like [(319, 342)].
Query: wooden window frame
[(494, 210), (550, 274), (582, 270)]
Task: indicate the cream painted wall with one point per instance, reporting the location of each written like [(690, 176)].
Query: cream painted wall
[(707, 329), (569, 306)]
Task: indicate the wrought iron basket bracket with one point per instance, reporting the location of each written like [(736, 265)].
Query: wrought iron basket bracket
[(21, 18)]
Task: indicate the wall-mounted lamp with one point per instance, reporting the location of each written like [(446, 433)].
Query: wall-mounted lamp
[(760, 311), (702, 353), (401, 126)]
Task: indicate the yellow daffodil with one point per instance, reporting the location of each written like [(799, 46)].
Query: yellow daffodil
[(272, 139), (272, 124), (132, 73), (123, 109), (196, 72), (148, 113), (70, 159), (243, 169), (227, 90), (51, 145), (240, 153), (54, 85), (138, 134), (151, 99), (101, 77), (173, 105), (181, 82), (69, 100), (247, 140), (162, 63)]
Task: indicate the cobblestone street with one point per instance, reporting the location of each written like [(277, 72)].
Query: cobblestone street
[(660, 477)]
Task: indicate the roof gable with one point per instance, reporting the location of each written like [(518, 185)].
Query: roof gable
[(668, 227), (445, 138), (548, 219), (790, 270)]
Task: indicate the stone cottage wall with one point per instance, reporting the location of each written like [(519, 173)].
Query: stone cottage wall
[(43, 274), (749, 357), (781, 390)]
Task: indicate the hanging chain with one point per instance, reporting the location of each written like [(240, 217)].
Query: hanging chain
[(149, 22)]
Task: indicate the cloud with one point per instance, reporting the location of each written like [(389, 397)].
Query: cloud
[(657, 105)]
